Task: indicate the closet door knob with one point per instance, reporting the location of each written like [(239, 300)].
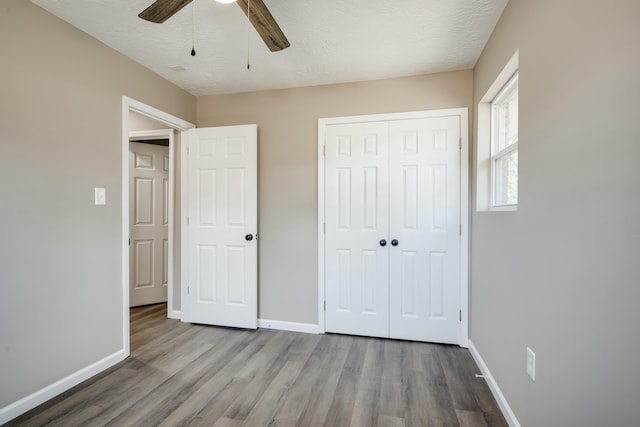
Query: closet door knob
[(383, 243), (248, 237), (394, 242)]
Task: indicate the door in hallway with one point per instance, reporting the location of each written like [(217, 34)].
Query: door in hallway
[(149, 223)]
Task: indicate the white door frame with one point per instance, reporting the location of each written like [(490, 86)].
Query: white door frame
[(463, 114), (131, 105)]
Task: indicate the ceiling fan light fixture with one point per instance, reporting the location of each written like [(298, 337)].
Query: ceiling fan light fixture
[(260, 18)]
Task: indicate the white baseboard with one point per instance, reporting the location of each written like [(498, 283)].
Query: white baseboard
[(307, 328), (52, 390), (174, 314), (493, 386)]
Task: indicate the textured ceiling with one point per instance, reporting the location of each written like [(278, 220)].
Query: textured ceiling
[(332, 41)]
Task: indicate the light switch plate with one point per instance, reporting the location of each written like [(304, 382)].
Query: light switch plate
[(531, 364), (100, 196)]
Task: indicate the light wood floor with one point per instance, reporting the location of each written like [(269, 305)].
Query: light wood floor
[(182, 374)]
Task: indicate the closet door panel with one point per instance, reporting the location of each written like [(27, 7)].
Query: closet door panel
[(357, 219), (424, 214)]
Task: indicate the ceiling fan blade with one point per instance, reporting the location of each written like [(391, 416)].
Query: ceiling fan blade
[(265, 25), (161, 10)]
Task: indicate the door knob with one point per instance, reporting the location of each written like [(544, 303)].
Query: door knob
[(383, 242), (248, 237), (394, 242)]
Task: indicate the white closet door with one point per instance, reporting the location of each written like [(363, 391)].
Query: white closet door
[(357, 266), (424, 211), (149, 223), (222, 226)]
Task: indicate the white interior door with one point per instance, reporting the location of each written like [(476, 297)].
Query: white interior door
[(149, 223), (395, 182), (424, 208), (357, 214), (222, 245)]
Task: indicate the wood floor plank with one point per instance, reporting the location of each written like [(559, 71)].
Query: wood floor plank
[(325, 382), (480, 389), (261, 370), (145, 311), (193, 375), (416, 411), (222, 387), (159, 338), (365, 410), (470, 418), (439, 399), (303, 390), (153, 368), (387, 421), (130, 404), (219, 388), (391, 399), (263, 412), (341, 409), (77, 418), (216, 405), (458, 378), (92, 392), (167, 396), (227, 422)]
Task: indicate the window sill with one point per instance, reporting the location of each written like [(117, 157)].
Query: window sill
[(508, 208)]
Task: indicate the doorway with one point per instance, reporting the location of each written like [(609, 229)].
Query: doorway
[(176, 127), (151, 210)]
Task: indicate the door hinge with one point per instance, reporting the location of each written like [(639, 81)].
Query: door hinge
[(187, 220), (461, 229), (324, 150), (187, 149), (460, 315), (129, 242), (324, 228), (325, 306), (188, 290), (460, 143)]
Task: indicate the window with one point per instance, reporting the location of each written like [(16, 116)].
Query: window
[(497, 142), (504, 145)]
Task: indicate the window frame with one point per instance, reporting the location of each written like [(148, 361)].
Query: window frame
[(497, 154)]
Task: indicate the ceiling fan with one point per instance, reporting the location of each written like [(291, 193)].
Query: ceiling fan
[(256, 11)]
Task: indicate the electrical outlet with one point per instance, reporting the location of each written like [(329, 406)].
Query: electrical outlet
[(531, 364)]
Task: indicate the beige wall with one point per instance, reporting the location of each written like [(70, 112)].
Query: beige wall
[(287, 169), (138, 122), (561, 274), (60, 136)]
